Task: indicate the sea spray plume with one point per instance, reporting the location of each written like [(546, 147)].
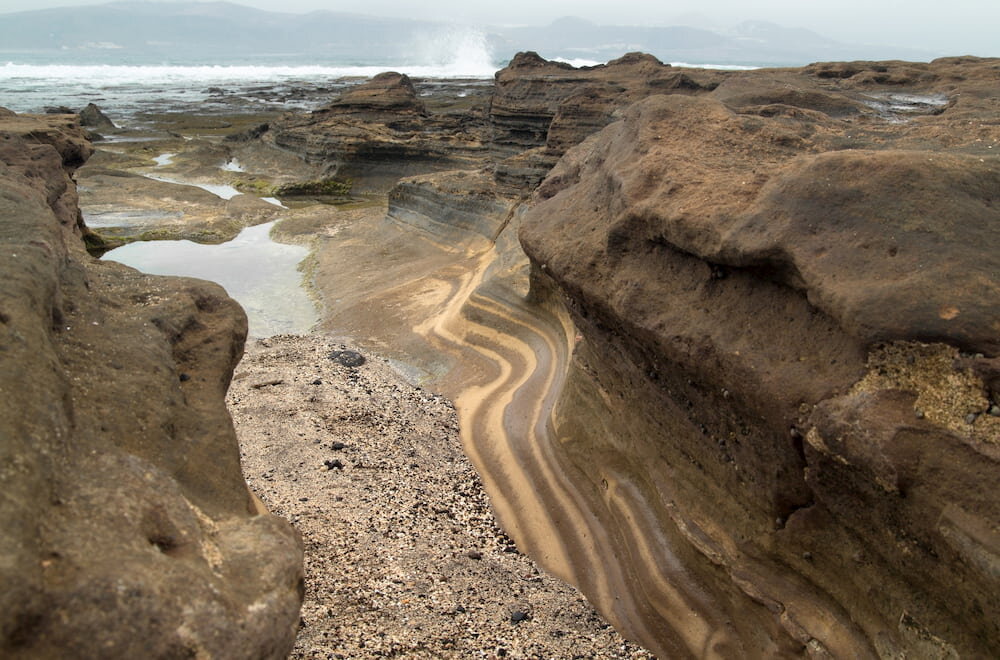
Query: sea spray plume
[(454, 51)]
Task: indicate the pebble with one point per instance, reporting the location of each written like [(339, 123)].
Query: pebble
[(518, 616), (348, 358), (994, 410), (971, 418), (335, 463)]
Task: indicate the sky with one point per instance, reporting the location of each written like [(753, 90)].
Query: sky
[(952, 26)]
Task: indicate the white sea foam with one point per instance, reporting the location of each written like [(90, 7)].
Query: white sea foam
[(467, 62), (723, 67), (455, 52), (577, 61)]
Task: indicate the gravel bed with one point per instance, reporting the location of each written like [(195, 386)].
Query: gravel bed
[(403, 555)]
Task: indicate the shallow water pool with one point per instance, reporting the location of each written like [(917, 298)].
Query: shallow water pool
[(259, 273)]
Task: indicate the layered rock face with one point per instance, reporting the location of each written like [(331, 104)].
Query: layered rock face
[(451, 206), (128, 529), (784, 398), (378, 132), (539, 109)]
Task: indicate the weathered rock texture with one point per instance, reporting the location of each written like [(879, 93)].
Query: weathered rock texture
[(378, 132), (787, 292), (539, 109), (451, 205), (777, 435), (127, 528)]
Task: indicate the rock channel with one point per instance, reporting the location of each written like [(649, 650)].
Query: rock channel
[(748, 401)]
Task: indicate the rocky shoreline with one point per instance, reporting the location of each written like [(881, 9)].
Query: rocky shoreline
[(722, 348)]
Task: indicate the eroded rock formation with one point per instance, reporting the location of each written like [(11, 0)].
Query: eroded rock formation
[(768, 303), (128, 529), (788, 294), (377, 132)]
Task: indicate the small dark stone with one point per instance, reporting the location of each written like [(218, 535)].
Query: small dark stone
[(335, 463), (518, 616), (459, 609), (807, 556), (184, 378), (510, 548), (337, 445), (474, 554), (919, 414), (501, 652), (971, 418), (303, 499), (348, 358), (317, 382)]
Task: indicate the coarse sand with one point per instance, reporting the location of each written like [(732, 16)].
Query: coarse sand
[(403, 556)]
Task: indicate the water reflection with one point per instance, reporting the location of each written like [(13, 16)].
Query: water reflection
[(260, 274)]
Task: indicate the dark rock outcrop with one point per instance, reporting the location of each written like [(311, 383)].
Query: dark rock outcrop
[(547, 107), (94, 117), (787, 294), (128, 528)]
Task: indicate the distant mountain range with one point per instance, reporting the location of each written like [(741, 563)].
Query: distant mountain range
[(183, 32)]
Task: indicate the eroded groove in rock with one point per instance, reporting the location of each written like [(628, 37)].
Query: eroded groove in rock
[(682, 415)]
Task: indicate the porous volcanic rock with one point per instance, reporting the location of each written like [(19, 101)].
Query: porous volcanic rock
[(787, 298), (128, 528)]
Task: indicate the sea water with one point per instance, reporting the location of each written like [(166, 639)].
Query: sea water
[(123, 86), (258, 273)]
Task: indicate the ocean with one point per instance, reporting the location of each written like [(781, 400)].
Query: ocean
[(126, 85)]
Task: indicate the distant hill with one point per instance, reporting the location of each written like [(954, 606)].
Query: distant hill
[(755, 42), (192, 31), (183, 32)]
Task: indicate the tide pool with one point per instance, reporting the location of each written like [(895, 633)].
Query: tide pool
[(260, 274)]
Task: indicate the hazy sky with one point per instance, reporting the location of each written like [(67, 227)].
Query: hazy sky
[(954, 26)]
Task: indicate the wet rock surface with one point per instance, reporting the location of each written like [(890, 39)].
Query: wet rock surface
[(128, 529)]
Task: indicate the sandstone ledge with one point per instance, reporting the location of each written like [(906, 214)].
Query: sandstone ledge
[(789, 340)]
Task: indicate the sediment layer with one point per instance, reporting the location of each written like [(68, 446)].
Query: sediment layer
[(719, 278), (766, 301)]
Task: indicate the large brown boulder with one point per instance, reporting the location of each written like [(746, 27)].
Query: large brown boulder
[(787, 295), (128, 528)]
